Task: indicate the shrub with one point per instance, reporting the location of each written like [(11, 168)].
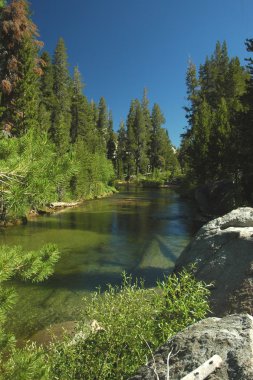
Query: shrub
[(121, 326)]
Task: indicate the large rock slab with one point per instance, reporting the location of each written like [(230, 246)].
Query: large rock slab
[(230, 337), (222, 251)]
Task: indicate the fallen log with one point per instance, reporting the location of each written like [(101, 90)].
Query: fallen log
[(63, 204), (203, 371)]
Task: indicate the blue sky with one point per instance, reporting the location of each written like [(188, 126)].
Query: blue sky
[(122, 46)]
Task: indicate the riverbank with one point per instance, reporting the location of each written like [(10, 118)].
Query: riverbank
[(145, 183), (53, 208)]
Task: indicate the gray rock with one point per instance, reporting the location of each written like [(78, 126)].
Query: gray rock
[(230, 337), (222, 251)]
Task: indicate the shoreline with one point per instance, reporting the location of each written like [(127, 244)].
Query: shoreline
[(52, 208)]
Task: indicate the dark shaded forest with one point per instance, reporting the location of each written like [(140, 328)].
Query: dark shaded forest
[(218, 142)]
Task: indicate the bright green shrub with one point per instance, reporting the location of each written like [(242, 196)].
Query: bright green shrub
[(128, 321)]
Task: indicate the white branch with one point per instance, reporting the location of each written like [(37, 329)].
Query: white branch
[(203, 371)]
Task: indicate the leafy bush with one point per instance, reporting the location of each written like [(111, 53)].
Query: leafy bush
[(28, 363), (125, 324), (119, 329)]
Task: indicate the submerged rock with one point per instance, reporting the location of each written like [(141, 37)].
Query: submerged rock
[(54, 332), (231, 338), (223, 253)]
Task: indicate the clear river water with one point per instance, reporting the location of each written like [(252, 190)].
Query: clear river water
[(140, 231)]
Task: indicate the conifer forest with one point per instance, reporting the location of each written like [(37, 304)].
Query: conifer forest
[(58, 146)]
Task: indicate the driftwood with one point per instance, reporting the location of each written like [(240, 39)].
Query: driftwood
[(63, 204), (203, 371)]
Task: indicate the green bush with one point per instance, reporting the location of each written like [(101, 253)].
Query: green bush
[(122, 326), (27, 363)]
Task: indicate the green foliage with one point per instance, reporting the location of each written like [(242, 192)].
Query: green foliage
[(19, 69), (211, 148), (93, 172), (146, 144), (245, 130), (127, 322), (27, 363), (34, 265), (78, 107), (47, 99), (32, 181), (102, 123), (121, 156), (184, 301), (61, 116), (112, 141)]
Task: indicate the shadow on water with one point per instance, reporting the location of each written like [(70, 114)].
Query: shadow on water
[(138, 231)]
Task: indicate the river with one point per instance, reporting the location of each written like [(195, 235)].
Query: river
[(141, 231)]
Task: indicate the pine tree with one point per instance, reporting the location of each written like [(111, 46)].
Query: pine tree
[(192, 88), (156, 157), (61, 116), (131, 140), (121, 151), (245, 123), (19, 67), (201, 147), (29, 362), (102, 123), (47, 98), (147, 119), (215, 99), (79, 107), (170, 163), (112, 141), (94, 111), (141, 159)]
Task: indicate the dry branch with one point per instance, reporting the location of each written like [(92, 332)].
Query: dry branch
[(203, 371)]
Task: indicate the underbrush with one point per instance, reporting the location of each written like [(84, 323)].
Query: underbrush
[(126, 324), (119, 329)]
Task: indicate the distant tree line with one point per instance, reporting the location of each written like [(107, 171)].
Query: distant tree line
[(143, 146), (218, 142)]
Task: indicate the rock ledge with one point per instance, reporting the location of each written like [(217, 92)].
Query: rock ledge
[(230, 337), (222, 251)]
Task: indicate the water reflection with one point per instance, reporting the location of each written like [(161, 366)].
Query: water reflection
[(139, 231)]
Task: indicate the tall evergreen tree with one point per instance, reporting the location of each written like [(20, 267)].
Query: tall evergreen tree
[(131, 139), (102, 122), (141, 159), (19, 69), (79, 106), (215, 98), (121, 151), (245, 123), (147, 119), (112, 141), (61, 116), (47, 98), (156, 158)]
